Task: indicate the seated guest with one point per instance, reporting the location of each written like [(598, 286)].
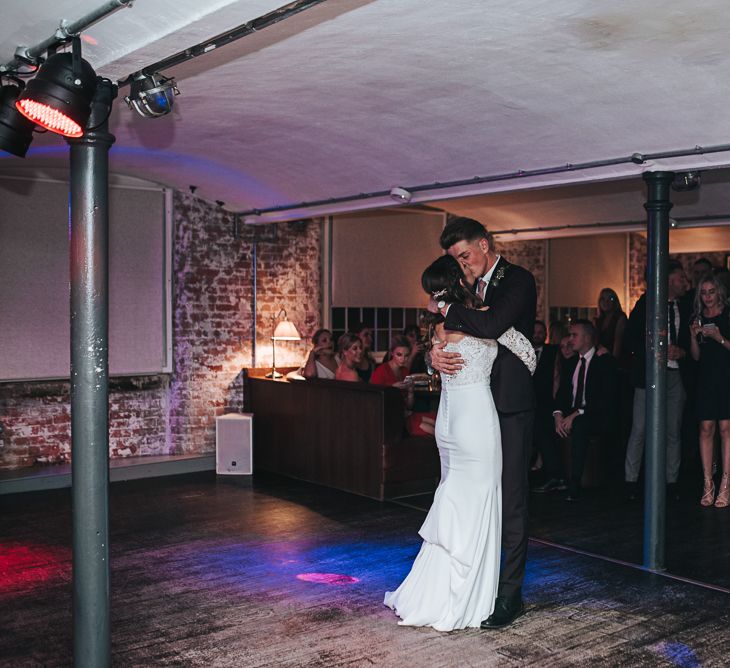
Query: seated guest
[(393, 374), (394, 371), (562, 362), (350, 348), (586, 401), (321, 361), (367, 362), (416, 361), (545, 442)]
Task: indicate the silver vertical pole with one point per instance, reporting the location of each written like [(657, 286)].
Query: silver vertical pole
[(657, 208), (90, 384)]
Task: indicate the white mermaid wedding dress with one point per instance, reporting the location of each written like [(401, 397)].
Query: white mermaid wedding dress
[(453, 581)]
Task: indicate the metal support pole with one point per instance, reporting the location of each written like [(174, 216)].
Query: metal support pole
[(657, 208), (89, 268)]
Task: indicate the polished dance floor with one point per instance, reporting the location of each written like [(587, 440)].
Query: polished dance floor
[(282, 573)]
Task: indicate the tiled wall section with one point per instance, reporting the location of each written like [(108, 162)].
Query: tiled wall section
[(531, 255), (212, 329)]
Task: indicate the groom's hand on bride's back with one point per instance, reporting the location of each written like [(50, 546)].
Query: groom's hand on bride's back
[(445, 362)]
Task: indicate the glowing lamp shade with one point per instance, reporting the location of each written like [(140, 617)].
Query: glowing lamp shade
[(59, 99), (286, 331), (16, 131)]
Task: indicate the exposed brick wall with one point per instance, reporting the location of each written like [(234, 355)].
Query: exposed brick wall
[(213, 310), (637, 264), (212, 329), (530, 255), (637, 267)]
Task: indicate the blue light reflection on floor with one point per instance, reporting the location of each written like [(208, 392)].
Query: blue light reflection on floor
[(679, 654), (279, 563)]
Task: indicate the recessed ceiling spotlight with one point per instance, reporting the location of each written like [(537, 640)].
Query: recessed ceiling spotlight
[(401, 195), (685, 181), (152, 95)]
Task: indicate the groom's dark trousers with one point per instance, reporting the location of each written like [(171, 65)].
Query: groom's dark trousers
[(511, 302)]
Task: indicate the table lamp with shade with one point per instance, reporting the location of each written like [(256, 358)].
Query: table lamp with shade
[(285, 330)]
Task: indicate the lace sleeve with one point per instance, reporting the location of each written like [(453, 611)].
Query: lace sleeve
[(517, 343)]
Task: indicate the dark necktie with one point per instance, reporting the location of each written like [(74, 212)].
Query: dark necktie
[(578, 400), (672, 324)]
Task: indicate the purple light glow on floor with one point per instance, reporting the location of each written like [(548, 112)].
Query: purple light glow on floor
[(327, 578)]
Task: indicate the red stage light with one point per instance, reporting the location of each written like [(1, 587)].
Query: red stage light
[(49, 118)]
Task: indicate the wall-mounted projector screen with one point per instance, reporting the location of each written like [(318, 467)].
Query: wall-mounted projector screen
[(34, 280)]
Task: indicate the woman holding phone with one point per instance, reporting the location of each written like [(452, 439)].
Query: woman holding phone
[(710, 346)]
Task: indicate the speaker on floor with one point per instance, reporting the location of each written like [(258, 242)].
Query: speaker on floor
[(234, 444)]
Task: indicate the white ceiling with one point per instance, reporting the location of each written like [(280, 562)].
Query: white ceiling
[(359, 96)]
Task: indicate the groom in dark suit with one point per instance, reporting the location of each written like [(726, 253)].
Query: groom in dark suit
[(509, 291)]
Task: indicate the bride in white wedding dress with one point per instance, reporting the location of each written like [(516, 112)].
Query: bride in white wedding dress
[(453, 581)]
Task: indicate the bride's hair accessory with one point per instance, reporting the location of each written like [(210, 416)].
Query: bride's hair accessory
[(439, 293)]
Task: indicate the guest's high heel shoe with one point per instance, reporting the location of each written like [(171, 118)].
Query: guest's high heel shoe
[(723, 496), (708, 495)]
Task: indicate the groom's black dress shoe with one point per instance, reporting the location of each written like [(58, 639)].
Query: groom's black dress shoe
[(506, 610)]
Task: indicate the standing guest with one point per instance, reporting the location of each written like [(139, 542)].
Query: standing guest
[(586, 401), (610, 324), (700, 268), (350, 348), (677, 351), (510, 293), (543, 439), (710, 345), (367, 362), (691, 459), (723, 275), (321, 361)]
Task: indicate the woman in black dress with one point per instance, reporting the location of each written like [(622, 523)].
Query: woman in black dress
[(611, 325), (710, 346)]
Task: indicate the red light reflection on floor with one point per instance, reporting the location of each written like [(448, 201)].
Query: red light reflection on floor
[(327, 578), (26, 566)]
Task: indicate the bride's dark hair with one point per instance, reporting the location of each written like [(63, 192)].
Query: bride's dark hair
[(444, 280)]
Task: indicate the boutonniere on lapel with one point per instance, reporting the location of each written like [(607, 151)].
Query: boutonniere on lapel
[(497, 277)]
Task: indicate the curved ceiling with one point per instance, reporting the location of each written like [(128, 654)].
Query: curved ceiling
[(359, 96)]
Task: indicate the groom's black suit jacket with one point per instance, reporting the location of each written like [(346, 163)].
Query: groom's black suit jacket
[(512, 298)]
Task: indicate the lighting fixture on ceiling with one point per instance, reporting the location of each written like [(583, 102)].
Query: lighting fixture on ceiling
[(16, 131), (401, 195), (152, 95), (686, 181), (59, 97)]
